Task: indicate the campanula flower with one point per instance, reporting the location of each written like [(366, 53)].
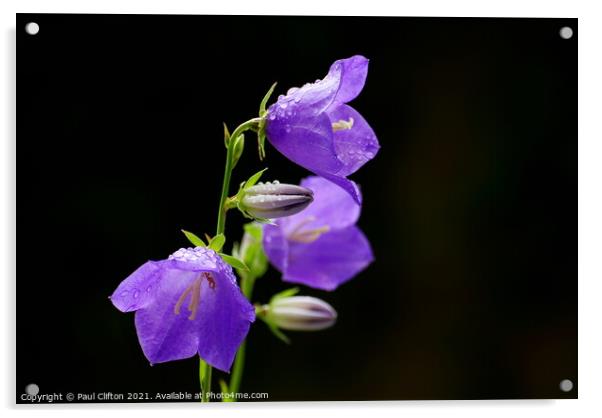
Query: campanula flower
[(314, 127), (186, 305), (321, 246)]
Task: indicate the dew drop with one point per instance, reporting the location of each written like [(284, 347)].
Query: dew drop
[(292, 90), (136, 294), (276, 182), (124, 293), (148, 289), (283, 105), (281, 97), (272, 116)]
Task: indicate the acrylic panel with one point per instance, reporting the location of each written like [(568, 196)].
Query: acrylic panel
[(414, 236)]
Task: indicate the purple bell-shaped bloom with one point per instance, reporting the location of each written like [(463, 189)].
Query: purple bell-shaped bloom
[(186, 305), (314, 127), (321, 246)]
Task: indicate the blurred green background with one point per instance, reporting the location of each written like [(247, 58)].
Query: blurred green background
[(470, 205)]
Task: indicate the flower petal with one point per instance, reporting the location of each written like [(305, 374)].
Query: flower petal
[(163, 335), (331, 260), (275, 245), (306, 141), (332, 207), (352, 73), (225, 317), (346, 184), (138, 289), (355, 146)]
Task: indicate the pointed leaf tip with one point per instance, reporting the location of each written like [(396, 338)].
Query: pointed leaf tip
[(194, 240), (234, 262), (217, 242)]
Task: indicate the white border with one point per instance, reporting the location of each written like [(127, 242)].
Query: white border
[(590, 199)]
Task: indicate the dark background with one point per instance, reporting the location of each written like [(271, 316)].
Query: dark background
[(470, 205)]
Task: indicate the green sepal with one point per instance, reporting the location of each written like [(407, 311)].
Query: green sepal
[(261, 144), (253, 179), (265, 99), (261, 128), (260, 313), (217, 242), (279, 334), (226, 135), (234, 262), (196, 241), (285, 294)]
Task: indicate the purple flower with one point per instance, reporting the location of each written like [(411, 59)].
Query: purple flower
[(187, 304), (315, 128), (320, 247)]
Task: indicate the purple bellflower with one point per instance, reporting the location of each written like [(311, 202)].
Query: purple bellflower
[(320, 247), (186, 305), (314, 127)]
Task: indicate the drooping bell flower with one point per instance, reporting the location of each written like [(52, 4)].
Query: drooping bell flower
[(186, 305), (314, 127), (321, 246)]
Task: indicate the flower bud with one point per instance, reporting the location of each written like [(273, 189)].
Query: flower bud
[(300, 313), (275, 200)]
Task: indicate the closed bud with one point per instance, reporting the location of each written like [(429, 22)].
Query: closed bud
[(300, 313), (275, 200)]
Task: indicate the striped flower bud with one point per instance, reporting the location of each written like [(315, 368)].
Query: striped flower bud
[(300, 313), (275, 200)]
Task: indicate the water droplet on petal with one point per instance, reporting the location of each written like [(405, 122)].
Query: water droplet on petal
[(283, 105), (292, 90), (148, 289), (124, 293), (136, 294)]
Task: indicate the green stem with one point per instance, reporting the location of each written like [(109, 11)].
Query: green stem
[(205, 377), (246, 284), (221, 216)]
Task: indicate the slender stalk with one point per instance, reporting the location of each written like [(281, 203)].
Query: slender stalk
[(205, 377), (246, 284), (221, 216)]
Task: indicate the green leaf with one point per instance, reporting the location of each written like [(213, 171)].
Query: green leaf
[(196, 241), (253, 179), (234, 262), (217, 242), (265, 99), (285, 294)]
